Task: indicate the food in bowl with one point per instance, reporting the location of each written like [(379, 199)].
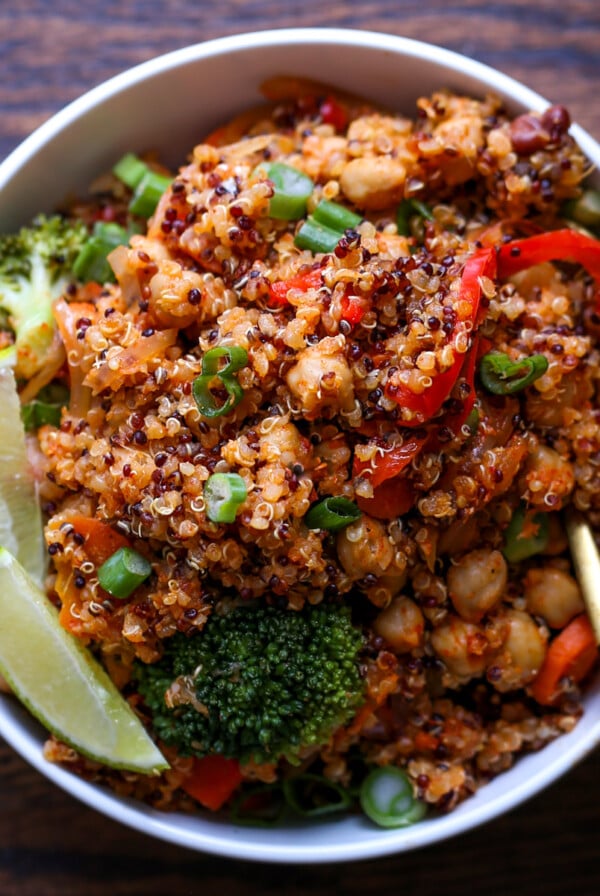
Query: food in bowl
[(303, 500)]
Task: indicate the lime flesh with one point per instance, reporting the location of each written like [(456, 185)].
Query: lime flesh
[(20, 516), (61, 683)]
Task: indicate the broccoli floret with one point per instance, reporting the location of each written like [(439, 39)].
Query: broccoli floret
[(35, 269), (258, 683)]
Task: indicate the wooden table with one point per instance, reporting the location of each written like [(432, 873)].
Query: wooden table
[(52, 51)]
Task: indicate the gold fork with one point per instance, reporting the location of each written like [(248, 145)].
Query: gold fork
[(586, 561)]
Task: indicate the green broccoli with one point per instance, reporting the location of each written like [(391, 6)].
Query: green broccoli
[(35, 269), (258, 683)]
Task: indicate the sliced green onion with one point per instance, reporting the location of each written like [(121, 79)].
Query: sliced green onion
[(121, 574), (332, 513), (527, 534), (130, 170), (224, 494), (148, 185), (585, 210), (501, 376), (387, 798), (317, 237), (91, 264), (148, 193), (422, 209), (312, 795), (206, 401), (336, 216), (46, 407), (262, 805), (204, 398), (237, 357), (409, 208), (403, 215), (292, 189)]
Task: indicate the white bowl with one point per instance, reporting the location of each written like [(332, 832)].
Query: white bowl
[(168, 104)]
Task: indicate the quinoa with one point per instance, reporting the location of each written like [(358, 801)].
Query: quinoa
[(324, 405)]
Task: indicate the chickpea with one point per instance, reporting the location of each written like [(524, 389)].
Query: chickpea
[(321, 378), (394, 579), (462, 646), (282, 443), (548, 473), (459, 536), (554, 595), (522, 655), (464, 130), (476, 583), (373, 182), (364, 547), (401, 624)]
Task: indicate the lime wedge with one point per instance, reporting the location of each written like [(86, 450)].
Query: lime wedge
[(20, 517), (60, 682)]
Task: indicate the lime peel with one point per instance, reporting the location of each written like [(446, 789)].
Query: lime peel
[(61, 683)]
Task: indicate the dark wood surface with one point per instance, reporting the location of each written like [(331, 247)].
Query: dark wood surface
[(51, 51)]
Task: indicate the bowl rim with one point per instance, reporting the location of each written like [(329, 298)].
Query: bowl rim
[(15, 725), (163, 825)]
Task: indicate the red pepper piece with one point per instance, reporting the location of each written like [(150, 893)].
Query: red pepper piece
[(388, 464), (212, 780), (309, 280), (455, 421), (391, 499), (333, 113), (428, 402), (353, 309), (563, 245)]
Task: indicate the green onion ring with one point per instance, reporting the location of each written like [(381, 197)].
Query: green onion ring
[(518, 547), (501, 376), (124, 570), (224, 494), (292, 190), (312, 795), (387, 798), (237, 357), (332, 513)]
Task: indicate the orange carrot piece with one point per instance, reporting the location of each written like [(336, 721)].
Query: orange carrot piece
[(571, 654), (101, 540), (212, 780)]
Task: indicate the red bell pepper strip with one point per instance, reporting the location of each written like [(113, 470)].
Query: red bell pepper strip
[(563, 245), (390, 500), (428, 402), (333, 113), (509, 259), (212, 780), (308, 280), (389, 464), (454, 422), (353, 307)]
